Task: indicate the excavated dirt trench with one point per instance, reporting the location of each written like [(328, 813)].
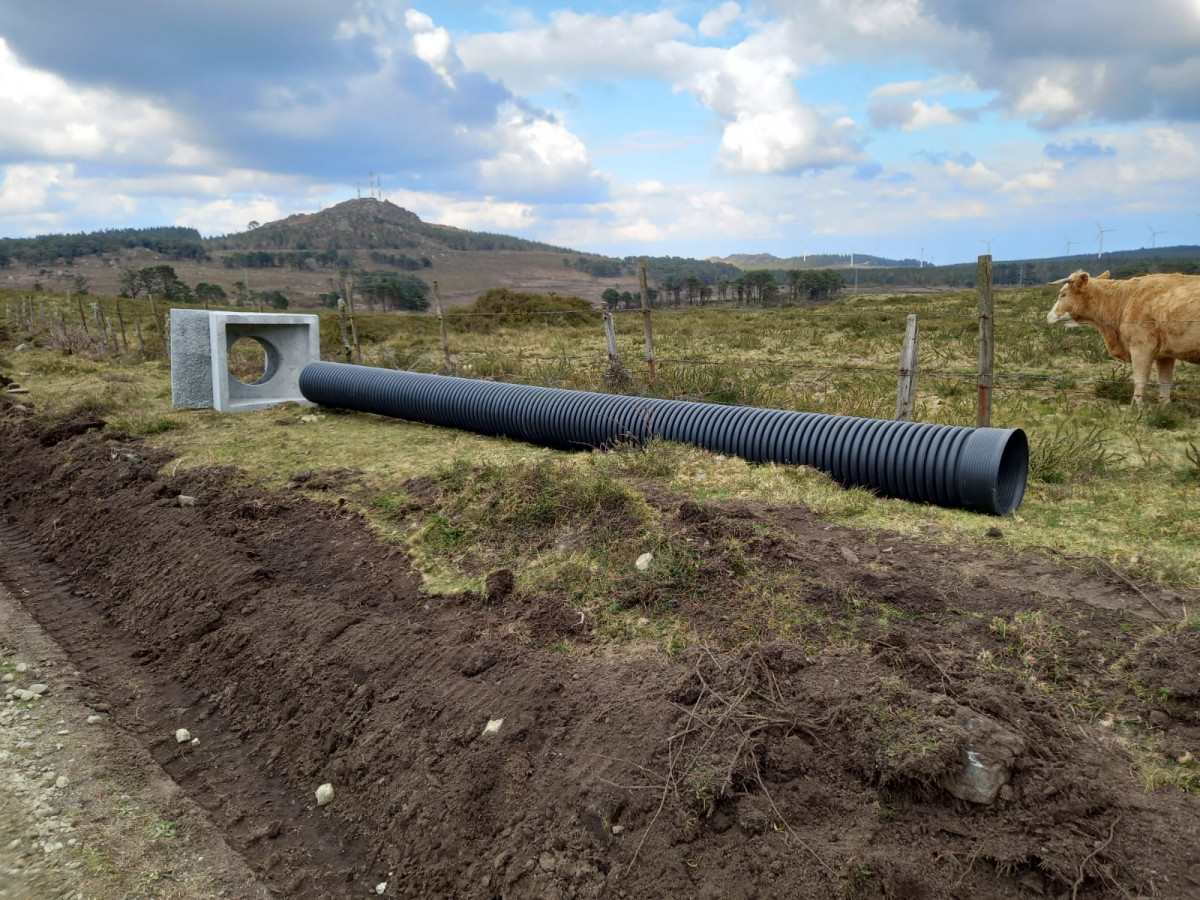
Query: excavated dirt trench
[(300, 650)]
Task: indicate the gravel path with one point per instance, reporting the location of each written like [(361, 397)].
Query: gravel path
[(84, 811)]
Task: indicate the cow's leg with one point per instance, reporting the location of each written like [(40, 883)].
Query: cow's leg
[(1141, 360), (1166, 372)]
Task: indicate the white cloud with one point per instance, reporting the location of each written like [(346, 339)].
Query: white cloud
[(487, 214), (25, 187), (430, 43), (229, 216), (749, 88), (534, 156), (46, 117), (976, 176), (715, 22)]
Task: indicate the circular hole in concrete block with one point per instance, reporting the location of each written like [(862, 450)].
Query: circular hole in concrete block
[(248, 360)]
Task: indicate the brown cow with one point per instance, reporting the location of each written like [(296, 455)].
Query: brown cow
[(1155, 318)]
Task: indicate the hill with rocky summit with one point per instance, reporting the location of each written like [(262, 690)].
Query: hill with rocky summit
[(369, 224)]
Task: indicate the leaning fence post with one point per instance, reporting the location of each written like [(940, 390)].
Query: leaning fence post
[(610, 338), (78, 303), (121, 322), (983, 414), (645, 286), (99, 322), (906, 389), (447, 366)]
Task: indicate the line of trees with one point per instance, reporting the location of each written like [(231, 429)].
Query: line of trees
[(172, 241), (758, 287)]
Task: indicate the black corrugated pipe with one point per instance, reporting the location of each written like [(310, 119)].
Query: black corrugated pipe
[(981, 469)]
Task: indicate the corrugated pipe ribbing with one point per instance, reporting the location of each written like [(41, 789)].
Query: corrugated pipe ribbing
[(980, 469)]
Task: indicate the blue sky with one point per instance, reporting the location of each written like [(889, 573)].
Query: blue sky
[(896, 127)]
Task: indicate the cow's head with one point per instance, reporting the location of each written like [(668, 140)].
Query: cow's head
[(1068, 308)]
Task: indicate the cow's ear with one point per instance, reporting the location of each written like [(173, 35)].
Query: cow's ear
[(1080, 280)]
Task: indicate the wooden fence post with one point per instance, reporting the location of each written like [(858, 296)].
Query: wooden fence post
[(906, 389), (99, 323), (121, 322), (645, 286), (78, 303), (610, 338), (447, 366), (983, 414), (137, 321), (353, 326), (345, 332)]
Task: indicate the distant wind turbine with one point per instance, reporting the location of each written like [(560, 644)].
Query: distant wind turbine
[(988, 242), (1070, 244), (1100, 233), (1154, 236)]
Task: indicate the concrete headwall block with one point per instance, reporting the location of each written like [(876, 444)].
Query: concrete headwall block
[(200, 342)]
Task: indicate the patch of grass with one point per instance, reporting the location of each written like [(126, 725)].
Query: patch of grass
[(161, 830), (1038, 643), (1071, 452), (1168, 416)]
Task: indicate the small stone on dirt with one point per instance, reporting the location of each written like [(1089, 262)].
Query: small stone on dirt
[(381, 888), (617, 829), (492, 726), (848, 555), (22, 668), (643, 562), (988, 758), (182, 736), (95, 720), (61, 782), (8, 676), (38, 688), (195, 742), (324, 794), (185, 501)]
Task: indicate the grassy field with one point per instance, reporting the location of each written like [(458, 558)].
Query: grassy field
[(1110, 486)]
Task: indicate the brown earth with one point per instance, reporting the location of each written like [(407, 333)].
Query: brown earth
[(300, 649), (461, 275)]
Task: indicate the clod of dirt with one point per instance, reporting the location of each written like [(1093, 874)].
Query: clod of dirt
[(691, 511), (325, 794), (849, 556), (63, 431), (498, 585), (994, 532), (478, 662), (987, 759)]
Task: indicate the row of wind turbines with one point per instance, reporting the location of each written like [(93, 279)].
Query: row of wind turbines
[(1101, 231)]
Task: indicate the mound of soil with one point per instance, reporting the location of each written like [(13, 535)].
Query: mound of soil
[(469, 758)]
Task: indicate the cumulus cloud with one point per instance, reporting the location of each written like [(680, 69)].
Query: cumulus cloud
[(1045, 63), (715, 22), (45, 117), (750, 88), (228, 216), (487, 214), (537, 157)]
